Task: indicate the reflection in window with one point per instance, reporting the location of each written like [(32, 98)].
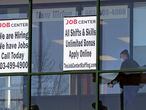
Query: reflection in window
[(48, 38), (11, 95), (63, 85), (11, 87), (71, 92), (13, 13), (50, 85), (139, 40), (130, 88), (89, 11), (115, 35)]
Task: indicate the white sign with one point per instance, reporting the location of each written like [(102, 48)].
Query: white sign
[(14, 46), (79, 43)]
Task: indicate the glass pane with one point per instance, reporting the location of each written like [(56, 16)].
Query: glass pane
[(48, 33), (13, 90), (50, 85), (123, 36), (12, 93), (139, 40), (115, 35), (68, 92), (89, 10), (123, 91), (74, 92), (13, 9), (47, 37)]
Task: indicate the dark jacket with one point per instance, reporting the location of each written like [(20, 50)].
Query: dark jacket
[(128, 78), (129, 64)]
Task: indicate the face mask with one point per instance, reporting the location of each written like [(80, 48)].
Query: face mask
[(122, 60)]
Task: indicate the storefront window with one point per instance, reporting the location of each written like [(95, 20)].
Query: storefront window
[(122, 36), (47, 37), (12, 91), (47, 57), (118, 78), (139, 44), (115, 35)]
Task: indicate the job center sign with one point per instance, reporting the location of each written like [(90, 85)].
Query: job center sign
[(79, 43), (14, 46)]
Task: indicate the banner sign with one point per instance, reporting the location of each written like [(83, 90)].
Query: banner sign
[(79, 43), (53, 14), (108, 12), (14, 46), (114, 12)]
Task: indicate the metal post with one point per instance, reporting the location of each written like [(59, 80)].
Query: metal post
[(29, 54), (40, 57), (97, 50)]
